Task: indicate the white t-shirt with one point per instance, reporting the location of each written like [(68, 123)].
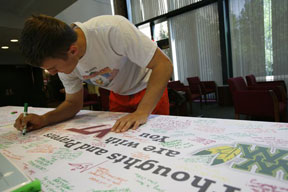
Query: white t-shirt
[(116, 57)]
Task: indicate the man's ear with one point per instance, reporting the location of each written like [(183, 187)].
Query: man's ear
[(73, 50)]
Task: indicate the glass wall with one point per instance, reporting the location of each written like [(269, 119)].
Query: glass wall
[(142, 10), (259, 38), (258, 33), (161, 31), (280, 39), (147, 9), (195, 44), (247, 37)]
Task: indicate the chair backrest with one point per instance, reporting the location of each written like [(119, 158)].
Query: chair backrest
[(104, 97), (89, 98), (193, 80), (194, 84), (251, 80), (237, 84), (85, 94), (175, 84)]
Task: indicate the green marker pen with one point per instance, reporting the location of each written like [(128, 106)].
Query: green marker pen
[(25, 114), (34, 186)]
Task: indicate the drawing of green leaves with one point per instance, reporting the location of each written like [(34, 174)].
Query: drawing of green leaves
[(223, 153)]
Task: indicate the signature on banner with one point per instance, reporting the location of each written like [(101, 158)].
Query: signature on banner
[(103, 176), (82, 167)]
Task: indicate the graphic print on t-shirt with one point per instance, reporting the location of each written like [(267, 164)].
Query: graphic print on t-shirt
[(102, 77)]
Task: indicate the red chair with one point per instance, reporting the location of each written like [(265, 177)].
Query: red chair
[(256, 101), (104, 98), (180, 87), (91, 100), (177, 98), (251, 81), (202, 87)]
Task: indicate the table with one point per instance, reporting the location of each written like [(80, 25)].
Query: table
[(168, 153)]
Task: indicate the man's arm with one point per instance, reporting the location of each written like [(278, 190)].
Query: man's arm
[(161, 72), (67, 109)]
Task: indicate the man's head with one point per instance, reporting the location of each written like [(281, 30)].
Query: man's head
[(46, 38)]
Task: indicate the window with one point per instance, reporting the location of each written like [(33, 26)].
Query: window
[(145, 28), (161, 36), (195, 44), (259, 38), (161, 31)]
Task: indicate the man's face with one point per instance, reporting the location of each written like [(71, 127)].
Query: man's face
[(55, 65)]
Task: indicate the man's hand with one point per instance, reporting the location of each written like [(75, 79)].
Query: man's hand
[(32, 121), (66, 110), (161, 72), (130, 121)]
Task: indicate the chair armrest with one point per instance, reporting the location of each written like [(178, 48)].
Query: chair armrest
[(273, 83), (278, 81), (256, 102), (252, 95), (278, 90)]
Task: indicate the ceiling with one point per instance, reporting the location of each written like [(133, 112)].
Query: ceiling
[(12, 16)]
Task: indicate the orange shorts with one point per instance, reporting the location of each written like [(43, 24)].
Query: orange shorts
[(129, 103)]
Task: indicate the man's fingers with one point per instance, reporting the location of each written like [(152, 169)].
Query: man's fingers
[(115, 126), (25, 121), (17, 127), (130, 121), (120, 126), (18, 122), (136, 125), (29, 128), (125, 127)]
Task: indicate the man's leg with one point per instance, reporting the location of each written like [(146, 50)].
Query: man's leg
[(129, 103), (120, 103)]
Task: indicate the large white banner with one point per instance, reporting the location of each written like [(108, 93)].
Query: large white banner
[(168, 153)]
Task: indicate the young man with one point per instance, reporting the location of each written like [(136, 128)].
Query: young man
[(107, 51)]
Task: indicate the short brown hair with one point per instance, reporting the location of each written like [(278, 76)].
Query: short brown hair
[(44, 36)]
